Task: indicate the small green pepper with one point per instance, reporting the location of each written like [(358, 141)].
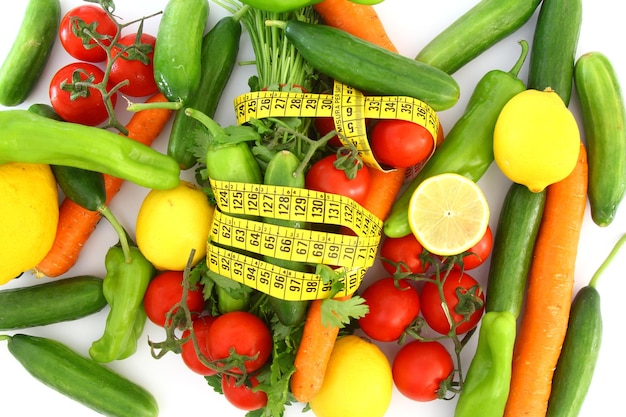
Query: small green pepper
[(468, 147), (30, 137), (486, 386), (127, 276), (280, 6)]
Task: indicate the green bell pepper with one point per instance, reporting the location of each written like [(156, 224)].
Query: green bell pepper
[(280, 6), (486, 386), (124, 286)]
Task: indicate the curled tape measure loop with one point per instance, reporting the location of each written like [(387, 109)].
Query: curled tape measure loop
[(238, 242), (348, 107)]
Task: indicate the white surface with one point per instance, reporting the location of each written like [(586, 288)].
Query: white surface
[(411, 24)]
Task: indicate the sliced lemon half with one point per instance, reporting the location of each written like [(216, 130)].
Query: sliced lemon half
[(448, 214)]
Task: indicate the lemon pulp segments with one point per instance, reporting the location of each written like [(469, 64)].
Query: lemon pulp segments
[(448, 214)]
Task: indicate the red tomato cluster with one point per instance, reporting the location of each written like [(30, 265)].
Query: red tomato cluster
[(78, 31), (422, 369), (215, 336)]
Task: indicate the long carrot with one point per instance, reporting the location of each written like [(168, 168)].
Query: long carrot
[(318, 340), (549, 294), (313, 353), (76, 224)]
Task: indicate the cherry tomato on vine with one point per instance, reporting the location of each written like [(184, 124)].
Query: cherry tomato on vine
[(324, 176), (165, 291), (400, 143), (244, 332), (242, 396), (86, 18), (140, 75), (84, 105), (391, 309), (406, 249), (201, 326), (479, 252), (462, 294), (420, 368)]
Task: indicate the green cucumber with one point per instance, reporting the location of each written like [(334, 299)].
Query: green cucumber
[(52, 302), (84, 187), (554, 47), (513, 245), (579, 355), (604, 118), (80, 378), (30, 51), (481, 27), (368, 67), (220, 47), (177, 52), (581, 346), (280, 171)]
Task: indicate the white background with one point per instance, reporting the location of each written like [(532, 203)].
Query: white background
[(410, 24)]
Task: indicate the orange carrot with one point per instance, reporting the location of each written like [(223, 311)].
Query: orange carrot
[(76, 224), (549, 296), (313, 353), (318, 340), (357, 19)]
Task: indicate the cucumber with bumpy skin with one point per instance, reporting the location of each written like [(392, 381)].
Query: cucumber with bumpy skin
[(52, 302), (475, 31), (368, 67), (604, 118), (30, 51), (80, 378), (554, 47)]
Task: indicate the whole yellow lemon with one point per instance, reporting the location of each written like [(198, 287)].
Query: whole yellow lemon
[(170, 223), (357, 383), (536, 139), (29, 215)]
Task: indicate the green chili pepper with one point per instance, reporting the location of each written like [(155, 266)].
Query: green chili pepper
[(280, 6), (468, 147), (30, 137), (486, 386), (127, 277)]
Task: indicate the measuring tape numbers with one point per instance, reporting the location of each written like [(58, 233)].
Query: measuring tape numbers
[(239, 240), (349, 108)]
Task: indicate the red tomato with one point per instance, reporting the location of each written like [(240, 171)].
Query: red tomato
[(419, 368), (165, 291), (140, 76), (94, 19), (479, 252), (391, 309), (471, 294), (325, 125), (242, 396), (405, 249), (323, 176), (400, 143), (87, 107), (244, 332), (201, 326)]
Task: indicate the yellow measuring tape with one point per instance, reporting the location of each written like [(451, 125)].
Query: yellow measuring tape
[(236, 237), (348, 107), (240, 240)]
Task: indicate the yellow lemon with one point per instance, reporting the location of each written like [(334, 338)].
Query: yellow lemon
[(536, 139), (29, 215), (170, 223), (357, 383), (448, 214)]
